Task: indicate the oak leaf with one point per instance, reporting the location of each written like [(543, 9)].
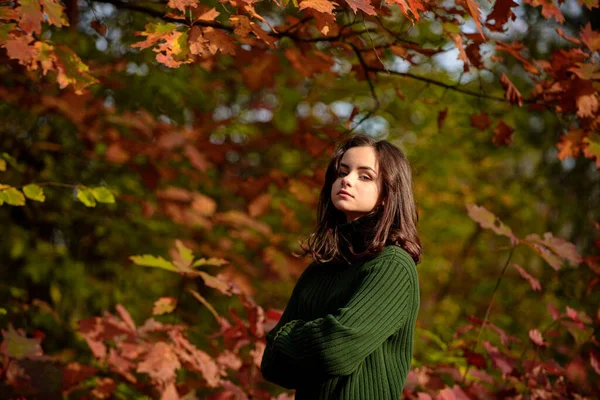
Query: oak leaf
[(487, 220), (324, 6), (161, 363), (511, 94), (481, 121), (503, 134), (363, 5), (501, 14)]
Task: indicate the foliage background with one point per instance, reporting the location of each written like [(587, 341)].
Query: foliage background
[(226, 153)]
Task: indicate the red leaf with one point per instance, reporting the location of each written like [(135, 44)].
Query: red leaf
[(475, 359), (535, 284), (501, 14), (595, 363), (363, 5), (590, 38), (442, 117), (499, 359), (99, 27), (126, 317), (536, 337), (480, 121), (554, 313), (512, 94), (562, 248), (503, 134)]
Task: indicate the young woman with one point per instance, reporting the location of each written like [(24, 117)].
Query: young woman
[(347, 330)]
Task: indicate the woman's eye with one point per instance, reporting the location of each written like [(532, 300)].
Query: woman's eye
[(367, 177)]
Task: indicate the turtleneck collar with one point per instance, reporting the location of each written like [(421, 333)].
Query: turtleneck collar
[(358, 233)]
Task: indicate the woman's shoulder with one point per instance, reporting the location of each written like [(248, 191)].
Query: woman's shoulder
[(395, 252)]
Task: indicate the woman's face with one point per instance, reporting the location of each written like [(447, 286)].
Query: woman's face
[(359, 177)]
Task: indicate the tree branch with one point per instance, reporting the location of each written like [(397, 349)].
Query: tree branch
[(445, 85)]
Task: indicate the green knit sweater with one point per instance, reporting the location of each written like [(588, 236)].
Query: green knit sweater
[(347, 330)]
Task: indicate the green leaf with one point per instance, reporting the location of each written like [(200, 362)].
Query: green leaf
[(86, 196), (12, 196), (147, 260), (184, 252), (211, 261), (2, 311), (13, 163), (103, 195), (34, 192)]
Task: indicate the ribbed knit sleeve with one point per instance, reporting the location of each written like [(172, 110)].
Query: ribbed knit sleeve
[(311, 351), (270, 370)]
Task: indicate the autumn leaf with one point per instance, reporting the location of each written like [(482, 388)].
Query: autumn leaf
[(161, 364), (590, 38), (549, 9), (17, 345), (31, 16), (164, 305), (559, 246), (592, 149), (536, 337), (502, 134), (587, 105), (501, 14), (535, 284), (474, 358), (487, 220), (34, 192), (462, 55), (324, 6), (474, 10), (71, 70), (414, 6), (182, 4), (363, 5), (480, 121), (511, 94), (154, 33), (55, 12), (99, 27), (571, 144)]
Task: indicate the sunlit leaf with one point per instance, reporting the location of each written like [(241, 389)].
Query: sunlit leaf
[(34, 192), (86, 196), (103, 194)]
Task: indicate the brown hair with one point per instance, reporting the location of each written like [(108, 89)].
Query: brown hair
[(395, 219)]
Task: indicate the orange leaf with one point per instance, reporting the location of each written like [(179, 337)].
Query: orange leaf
[(587, 105), (571, 144), (474, 10), (462, 55), (31, 16), (549, 9), (512, 94), (55, 12), (182, 4), (323, 6), (164, 305), (363, 5)]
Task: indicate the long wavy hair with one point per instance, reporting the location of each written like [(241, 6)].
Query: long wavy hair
[(394, 218)]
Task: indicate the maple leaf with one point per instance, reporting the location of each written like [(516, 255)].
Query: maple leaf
[(324, 6), (71, 70), (587, 105), (512, 94), (487, 220), (480, 121), (501, 14), (31, 16), (55, 12), (503, 134), (535, 284), (21, 49), (154, 33), (8, 13)]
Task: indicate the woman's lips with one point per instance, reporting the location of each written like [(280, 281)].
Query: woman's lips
[(344, 194)]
